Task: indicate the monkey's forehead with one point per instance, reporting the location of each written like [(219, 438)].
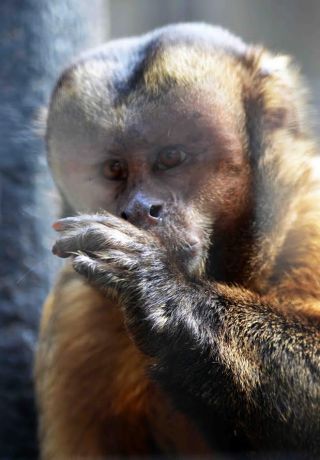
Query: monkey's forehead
[(134, 55), (180, 65), (163, 53)]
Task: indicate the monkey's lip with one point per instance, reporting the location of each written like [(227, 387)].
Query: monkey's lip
[(194, 246), (194, 242)]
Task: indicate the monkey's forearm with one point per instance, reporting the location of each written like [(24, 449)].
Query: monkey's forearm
[(237, 353)]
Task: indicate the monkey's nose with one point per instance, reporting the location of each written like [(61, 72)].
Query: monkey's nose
[(143, 213)]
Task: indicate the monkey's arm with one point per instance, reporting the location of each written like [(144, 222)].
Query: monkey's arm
[(216, 347), (227, 349)]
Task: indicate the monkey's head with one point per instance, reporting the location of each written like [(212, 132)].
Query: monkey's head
[(165, 131)]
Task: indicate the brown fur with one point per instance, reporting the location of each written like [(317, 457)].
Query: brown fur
[(99, 398)]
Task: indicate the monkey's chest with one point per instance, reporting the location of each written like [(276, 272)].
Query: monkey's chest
[(139, 418)]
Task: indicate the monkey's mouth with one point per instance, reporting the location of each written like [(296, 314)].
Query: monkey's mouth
[(192, 248), (191, 256)]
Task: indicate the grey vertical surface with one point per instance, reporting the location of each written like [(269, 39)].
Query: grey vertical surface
[(37, 39)]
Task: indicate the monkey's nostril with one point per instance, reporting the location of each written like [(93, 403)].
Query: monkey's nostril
[(155, 211), (124, 215)]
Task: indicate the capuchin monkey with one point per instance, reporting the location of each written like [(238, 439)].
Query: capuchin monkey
[(186, 321)]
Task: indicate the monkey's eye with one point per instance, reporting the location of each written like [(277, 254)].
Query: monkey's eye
[(115, 170), (170, 157)]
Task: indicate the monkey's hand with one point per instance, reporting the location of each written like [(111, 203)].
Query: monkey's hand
[(130, 264), (110, 252)]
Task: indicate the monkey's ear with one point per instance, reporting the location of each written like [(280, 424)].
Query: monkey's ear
[(276, 92)]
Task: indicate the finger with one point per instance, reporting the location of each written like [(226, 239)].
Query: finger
[(105, 219), (88, 239), (94, 239), (78, 221), (96, 271)]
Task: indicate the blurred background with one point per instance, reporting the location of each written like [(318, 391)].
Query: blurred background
[(38, 38)]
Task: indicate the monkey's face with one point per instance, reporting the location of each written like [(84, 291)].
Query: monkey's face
[(174, 165)]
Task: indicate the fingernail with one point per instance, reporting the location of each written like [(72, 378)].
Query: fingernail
[(57, 225)]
